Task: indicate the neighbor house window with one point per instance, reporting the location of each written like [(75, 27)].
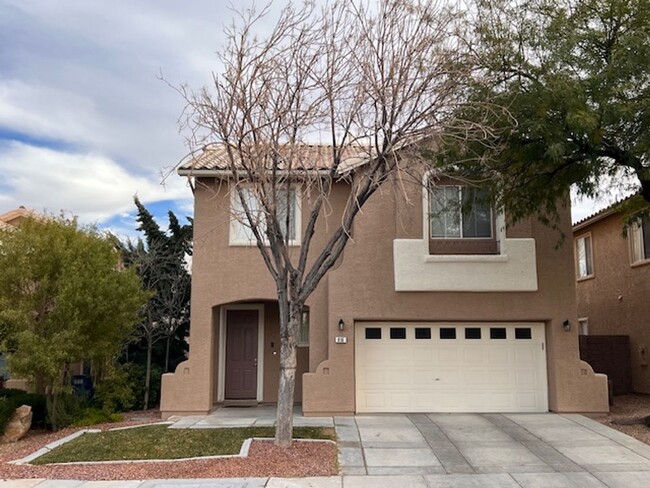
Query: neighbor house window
[(640, 240), (583, 326), (461, 221), (584, 257), (303, 340), (241, 232)]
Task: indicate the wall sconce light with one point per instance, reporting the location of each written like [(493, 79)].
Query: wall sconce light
[(567, 325), (341, 324)]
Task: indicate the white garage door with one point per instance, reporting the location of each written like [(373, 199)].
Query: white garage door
[(433, 367)]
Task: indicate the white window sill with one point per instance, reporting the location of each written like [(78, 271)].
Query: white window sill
[(585, 277), (637, 264), (466, 258), (254, 244)]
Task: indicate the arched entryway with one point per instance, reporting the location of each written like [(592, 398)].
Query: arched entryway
[(247, 353)]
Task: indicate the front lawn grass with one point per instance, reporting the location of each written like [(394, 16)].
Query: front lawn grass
[(160, 442)]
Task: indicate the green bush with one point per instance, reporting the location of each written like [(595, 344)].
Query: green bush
[(115, 392), (92, 416), (65, 409), (136, 379), (12, 399), (11, 392), (6, 409)]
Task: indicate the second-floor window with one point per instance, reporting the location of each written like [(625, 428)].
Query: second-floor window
[(461, 221), (288, 216), (640, 240), (584, 258)]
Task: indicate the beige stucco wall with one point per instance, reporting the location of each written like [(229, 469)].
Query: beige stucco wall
[(616, 299), (223, 275), (362, 288)]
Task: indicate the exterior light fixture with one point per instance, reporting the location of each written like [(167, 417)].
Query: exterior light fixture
[(341, 324), (567, 325)]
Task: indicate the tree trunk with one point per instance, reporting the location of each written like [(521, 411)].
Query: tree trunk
[(169, 339), (52, 409), (289, 327), (147, 376)]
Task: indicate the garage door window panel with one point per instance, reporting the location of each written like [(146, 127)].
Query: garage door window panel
[(447, 333), (498, 333), (423, 332), (523, 333), (373, 333), (398, 333), (472, 332)]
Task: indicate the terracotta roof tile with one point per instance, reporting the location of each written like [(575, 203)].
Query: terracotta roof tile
[(306, 157)]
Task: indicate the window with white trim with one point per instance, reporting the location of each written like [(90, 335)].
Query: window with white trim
[(640, 240), (583, 326), (288, 205), (584, 257), (461, 220)]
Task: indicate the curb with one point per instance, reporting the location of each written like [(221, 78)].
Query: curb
[(52, 445)]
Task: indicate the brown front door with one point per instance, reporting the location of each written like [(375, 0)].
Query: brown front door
[(241, 354)]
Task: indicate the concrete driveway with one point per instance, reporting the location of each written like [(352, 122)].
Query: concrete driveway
[(488, 450), (543, 450)]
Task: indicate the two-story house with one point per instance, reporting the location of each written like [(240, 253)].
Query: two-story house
[(613, 284), (431, 308)]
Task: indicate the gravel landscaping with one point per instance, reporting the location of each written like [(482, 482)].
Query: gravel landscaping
[(626, 415), (264, 459)]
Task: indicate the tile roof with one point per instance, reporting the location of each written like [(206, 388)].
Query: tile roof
[(600, 214), (7, 218), (308, 157)]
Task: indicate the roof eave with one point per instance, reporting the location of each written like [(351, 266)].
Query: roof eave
[(226, 173), (594, 218)]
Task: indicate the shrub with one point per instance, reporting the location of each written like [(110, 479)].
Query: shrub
[(6, 409), (11, 392), (12, 399), (65, 409), (115, 392), (92, 416)]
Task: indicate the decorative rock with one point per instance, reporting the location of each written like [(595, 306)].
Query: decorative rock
[(19, 424)]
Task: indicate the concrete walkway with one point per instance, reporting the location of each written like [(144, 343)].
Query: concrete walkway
[(440, 450)]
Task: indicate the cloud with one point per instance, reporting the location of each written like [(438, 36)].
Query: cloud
[(46, 112), (87, 72), (85, 121), (89, 185)]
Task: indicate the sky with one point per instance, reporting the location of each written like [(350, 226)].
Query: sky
[(86, 122)]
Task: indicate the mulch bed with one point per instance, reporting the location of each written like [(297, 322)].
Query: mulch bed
[(264, 459)]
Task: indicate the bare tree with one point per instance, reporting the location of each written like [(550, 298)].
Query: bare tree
[(166, 281), (368, 81)]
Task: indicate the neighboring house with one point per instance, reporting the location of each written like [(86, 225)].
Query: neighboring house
[(420, 315), (613, 284), (14, 217)]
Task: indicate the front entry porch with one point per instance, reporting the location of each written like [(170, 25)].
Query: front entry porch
[(247, 360)]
